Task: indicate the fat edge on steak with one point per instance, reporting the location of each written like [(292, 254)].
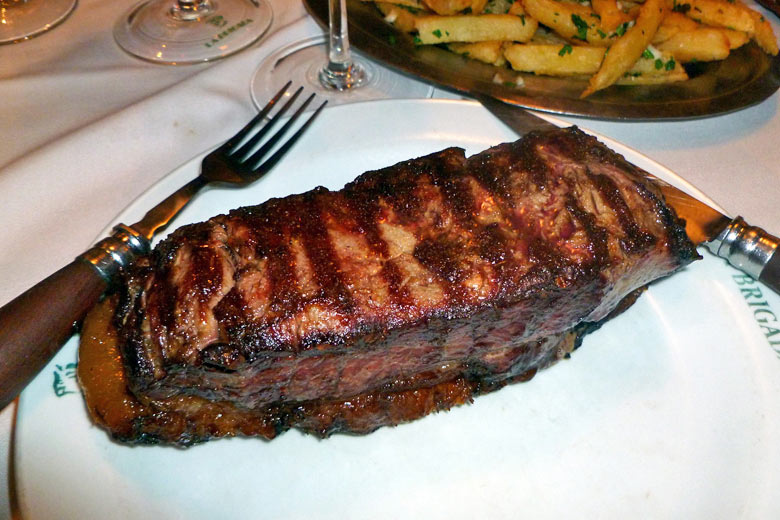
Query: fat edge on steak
[(411, 290)]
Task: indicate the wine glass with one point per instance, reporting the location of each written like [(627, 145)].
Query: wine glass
[(326, 65), (191, 31), (23, 19)]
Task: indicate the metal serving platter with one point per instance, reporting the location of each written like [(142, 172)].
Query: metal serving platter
[(745, 78)]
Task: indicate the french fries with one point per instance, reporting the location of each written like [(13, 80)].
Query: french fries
[(705, 44), (625, 42), (554, 60), (490, 52), (572, 21), (447, 7), (673, 23), (609, 13), (763, 34), (395, 14), (653, 68), (572, 60), (717, 13), (738, 39), (628, 48), (474, 28)]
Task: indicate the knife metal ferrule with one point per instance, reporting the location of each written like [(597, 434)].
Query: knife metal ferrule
[(748, 248), (116, 252)]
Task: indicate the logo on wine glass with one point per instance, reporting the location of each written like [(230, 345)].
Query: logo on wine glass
[(221, 22)]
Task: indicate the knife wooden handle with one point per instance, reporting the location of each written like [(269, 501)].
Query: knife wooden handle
[(770, 276), (35, 325)]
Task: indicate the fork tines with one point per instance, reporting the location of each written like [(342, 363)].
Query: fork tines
[(243, 147)]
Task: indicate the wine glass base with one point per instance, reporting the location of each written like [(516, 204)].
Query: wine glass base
[(153, 30), (302, 62), (20, 21), (353, 77)]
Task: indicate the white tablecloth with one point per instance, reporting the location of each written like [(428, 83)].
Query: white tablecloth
[(87, 128)]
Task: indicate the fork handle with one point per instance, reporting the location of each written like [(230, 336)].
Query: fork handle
[(37, 323)]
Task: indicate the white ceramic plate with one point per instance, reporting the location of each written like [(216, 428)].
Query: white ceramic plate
[(670, 410)]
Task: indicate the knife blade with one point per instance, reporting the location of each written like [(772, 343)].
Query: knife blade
[(748, 248)]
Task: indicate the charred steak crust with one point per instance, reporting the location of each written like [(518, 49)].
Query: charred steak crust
[(442, 270)]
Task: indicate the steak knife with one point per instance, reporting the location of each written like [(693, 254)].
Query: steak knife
[(748, 248)]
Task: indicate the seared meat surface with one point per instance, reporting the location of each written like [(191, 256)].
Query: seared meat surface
[(408, 291)]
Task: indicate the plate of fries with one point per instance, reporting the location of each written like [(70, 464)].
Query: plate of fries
[(608, 59)]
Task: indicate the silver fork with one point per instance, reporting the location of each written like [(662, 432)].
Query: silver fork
[(238, 161), (34, 326)]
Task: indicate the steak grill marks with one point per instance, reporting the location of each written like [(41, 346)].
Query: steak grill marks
[(433, 269), (636, 239), (285, 298), (322, 256), (452, 210), (365, 210)]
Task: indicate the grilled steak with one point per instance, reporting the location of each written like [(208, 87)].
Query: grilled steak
[(410, 290)]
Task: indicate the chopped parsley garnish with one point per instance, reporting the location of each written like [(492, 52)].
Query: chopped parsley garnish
[(646, 54), (417, 40), (437, 33), (582, 27), (621, 30), (601, 33), (566, 49), (669, 64), (659, 63)]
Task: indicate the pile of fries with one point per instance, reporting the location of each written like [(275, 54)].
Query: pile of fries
[(610, 41)]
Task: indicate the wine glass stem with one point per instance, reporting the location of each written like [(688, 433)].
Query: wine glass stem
[(186, 10), (341, 72)]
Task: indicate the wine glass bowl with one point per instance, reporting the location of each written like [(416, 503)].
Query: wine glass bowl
[(177, 32), (24, 19)]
